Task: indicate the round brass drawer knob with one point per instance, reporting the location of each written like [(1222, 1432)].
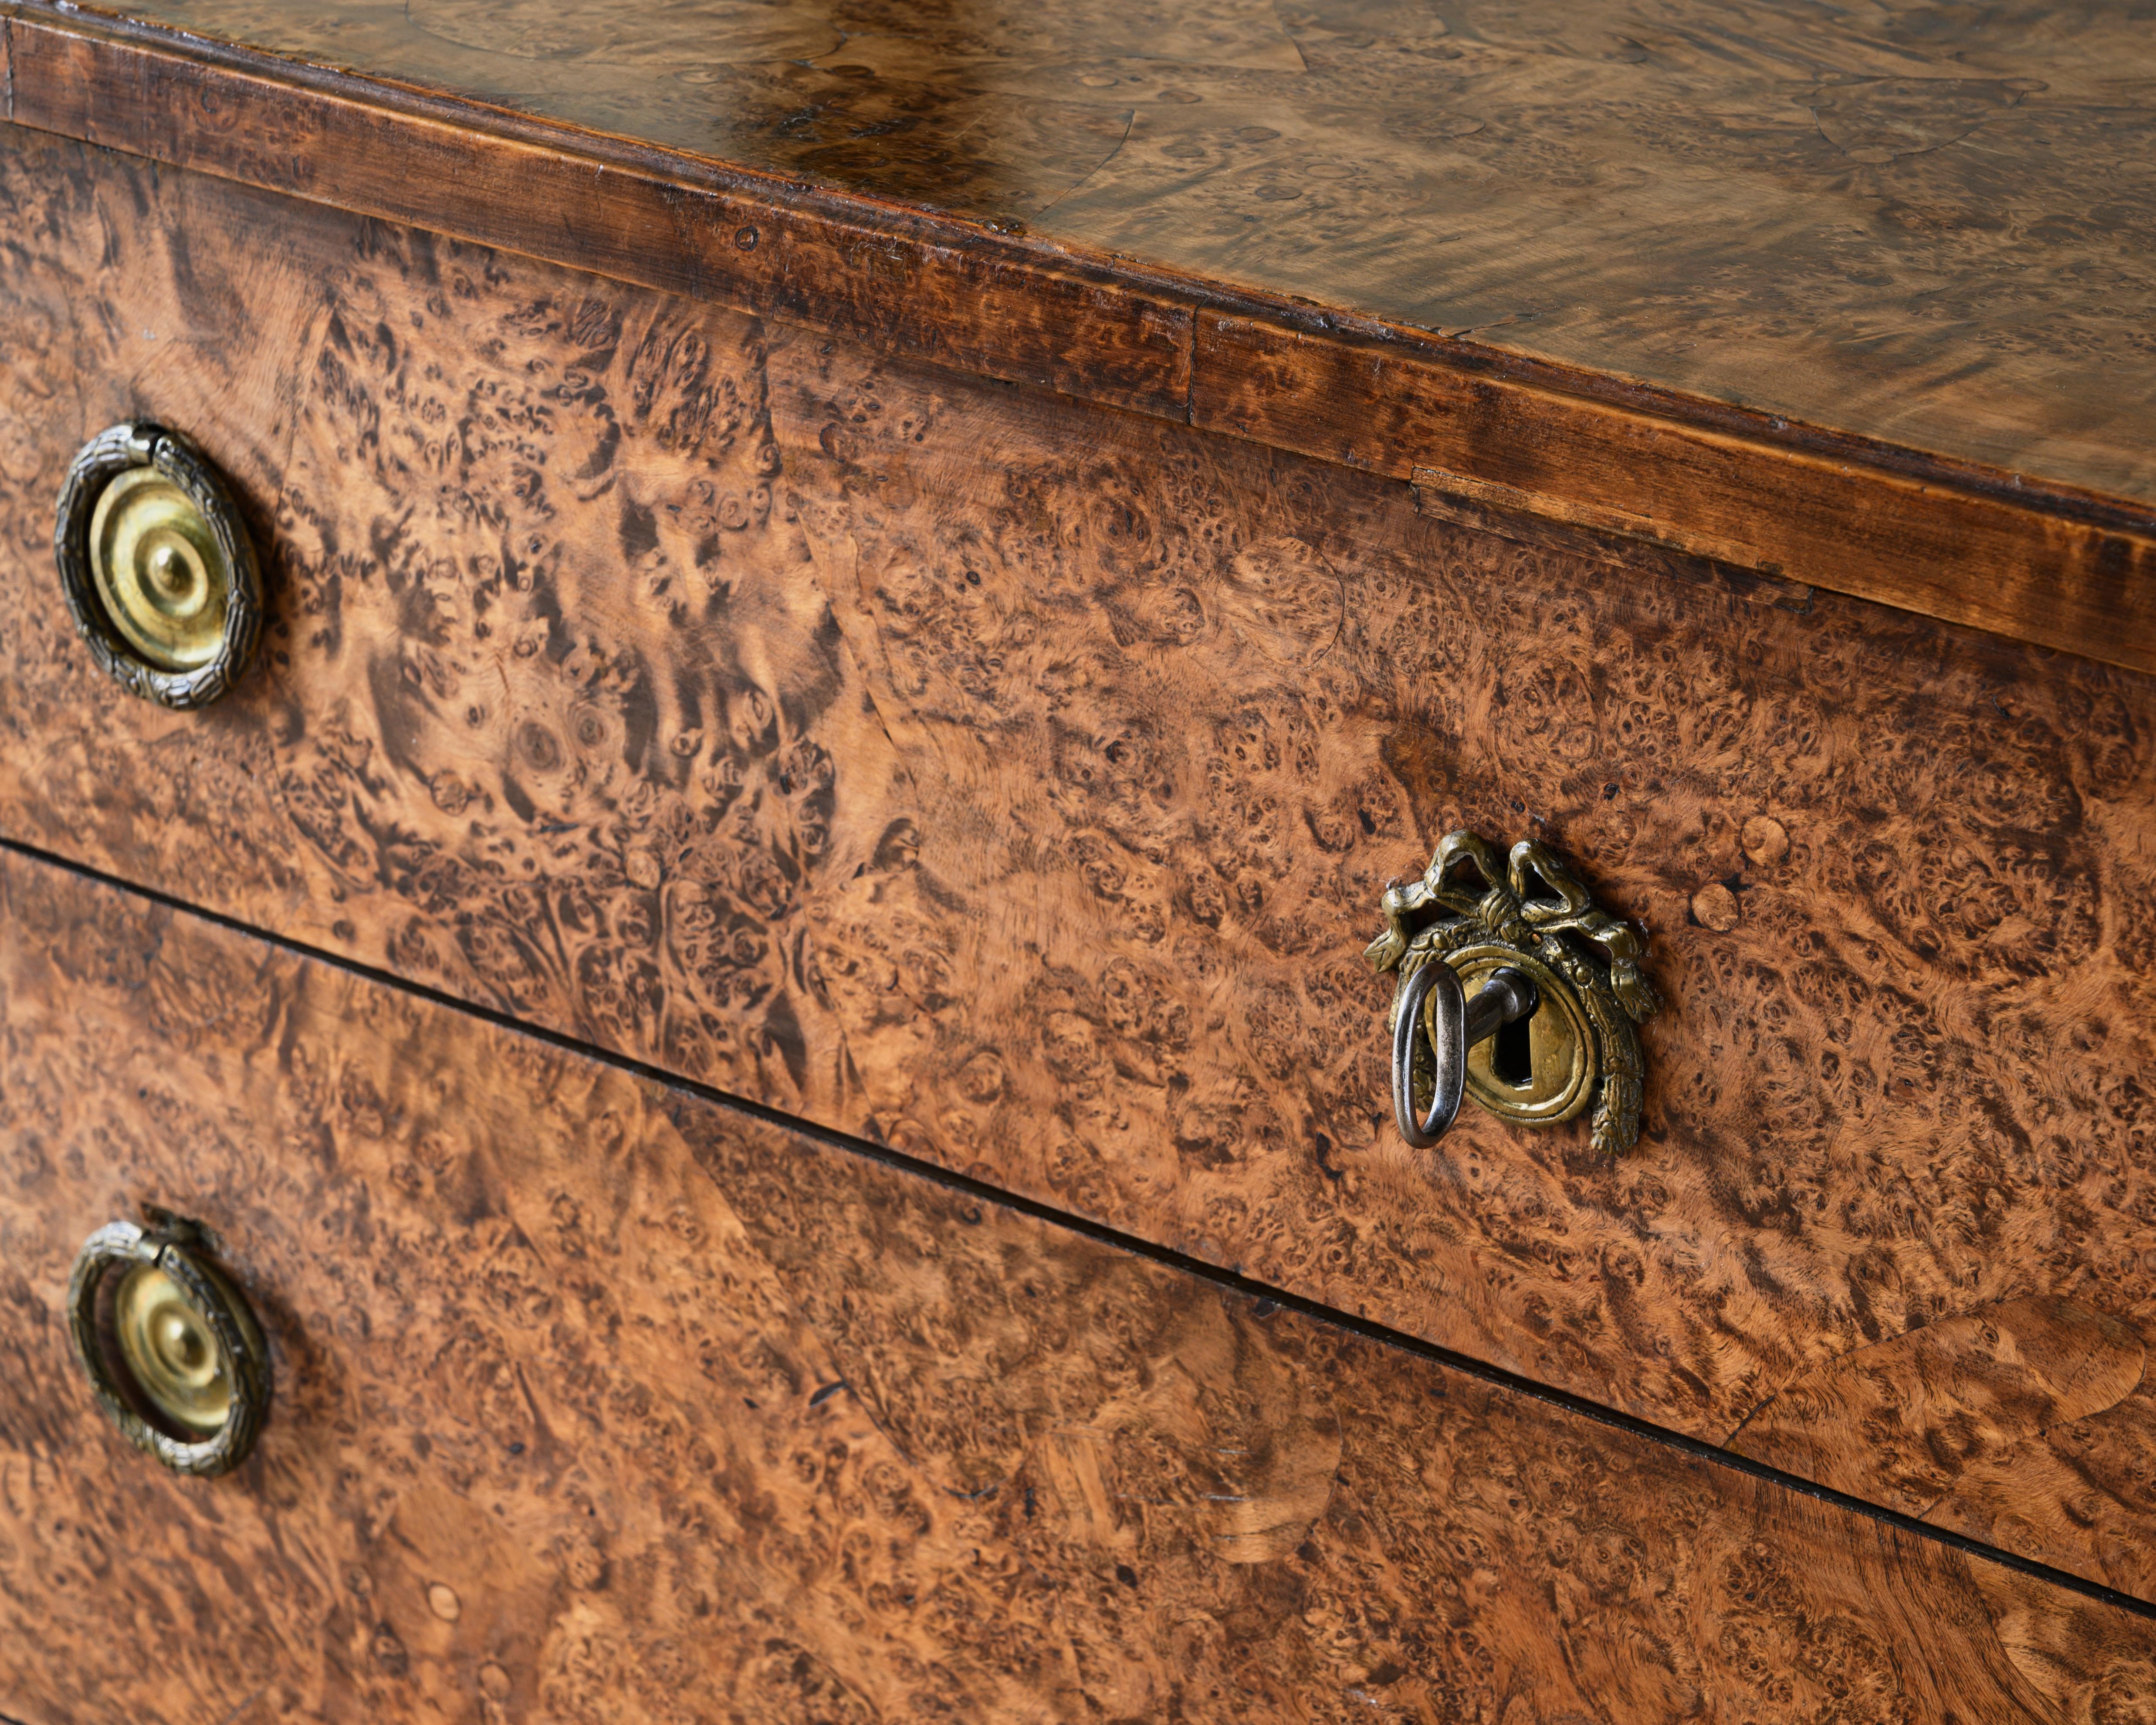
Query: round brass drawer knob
[(171, 1352), (157, 568)]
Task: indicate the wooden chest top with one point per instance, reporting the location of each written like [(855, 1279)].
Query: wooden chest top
[(1856, 296)]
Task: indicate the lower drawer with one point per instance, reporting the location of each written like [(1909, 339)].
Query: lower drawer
[(594, 1399)]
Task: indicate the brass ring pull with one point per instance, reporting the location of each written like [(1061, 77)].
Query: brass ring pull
[(171, 1352), (156, 566), (1434, 1026)]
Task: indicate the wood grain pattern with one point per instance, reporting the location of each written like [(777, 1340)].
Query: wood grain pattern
[(1898, 1423), (2083, 1486), (1016, 784), (1931, 224), (1894, 882), (1692, 491), (597, 1401), (1897, 511)]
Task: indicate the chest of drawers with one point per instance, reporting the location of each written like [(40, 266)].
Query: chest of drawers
[(762, 981)]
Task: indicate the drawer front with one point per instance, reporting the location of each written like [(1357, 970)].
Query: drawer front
[(593, 1399), (1016, 784)]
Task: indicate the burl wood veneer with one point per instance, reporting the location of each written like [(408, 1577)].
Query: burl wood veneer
[(597, 1401), (1013, 782)]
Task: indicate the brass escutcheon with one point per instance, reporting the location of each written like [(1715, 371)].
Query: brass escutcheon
[(1501, 922), (173, 1352), (157, 566), (1541, 1072)]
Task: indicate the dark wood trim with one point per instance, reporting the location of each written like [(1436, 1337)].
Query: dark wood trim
[(2053, 565), (1967, 556), (934, 293)]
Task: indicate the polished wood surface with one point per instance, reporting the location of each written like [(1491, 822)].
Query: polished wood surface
[(2025, 1423), (597, 1401), (1935, 225), (1015, 784), (2046, 551)]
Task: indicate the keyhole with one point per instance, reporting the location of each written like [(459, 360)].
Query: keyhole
[(1511, 1055)]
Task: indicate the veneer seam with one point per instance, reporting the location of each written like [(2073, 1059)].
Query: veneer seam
[(1269, 1298)]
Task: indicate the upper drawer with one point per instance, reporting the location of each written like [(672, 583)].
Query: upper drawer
[(1016, 784)]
